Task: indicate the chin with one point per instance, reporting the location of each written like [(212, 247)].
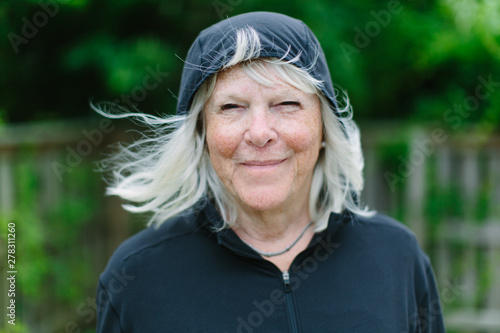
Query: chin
[(262, 200)]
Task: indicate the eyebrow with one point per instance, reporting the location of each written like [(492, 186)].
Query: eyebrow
[(282, 94)]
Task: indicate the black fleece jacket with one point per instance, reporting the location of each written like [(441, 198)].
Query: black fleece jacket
[(359, 275)]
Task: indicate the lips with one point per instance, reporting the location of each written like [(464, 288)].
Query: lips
[(263, 163)]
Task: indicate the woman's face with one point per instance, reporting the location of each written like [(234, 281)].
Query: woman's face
[(263, 141)]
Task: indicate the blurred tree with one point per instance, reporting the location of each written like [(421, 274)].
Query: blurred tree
[(397, 59)]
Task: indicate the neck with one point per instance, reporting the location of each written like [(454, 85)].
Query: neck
[(270, 226), (274, 231)]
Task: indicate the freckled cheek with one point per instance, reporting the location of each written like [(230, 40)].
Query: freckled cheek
[(221, 141), (305, 139), (301, 142), (306, 142)]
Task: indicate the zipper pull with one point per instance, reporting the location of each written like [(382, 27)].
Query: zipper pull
[(286, 280)]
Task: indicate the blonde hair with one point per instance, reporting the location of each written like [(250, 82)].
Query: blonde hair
[(169, 171)]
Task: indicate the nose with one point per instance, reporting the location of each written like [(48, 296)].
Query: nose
[(260, 131)]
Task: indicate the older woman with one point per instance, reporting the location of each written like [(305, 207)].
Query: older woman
[(253, 188)]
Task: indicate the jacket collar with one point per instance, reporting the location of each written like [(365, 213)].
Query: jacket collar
[(212, 220)]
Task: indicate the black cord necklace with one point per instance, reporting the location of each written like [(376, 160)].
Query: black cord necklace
[(273, 254)]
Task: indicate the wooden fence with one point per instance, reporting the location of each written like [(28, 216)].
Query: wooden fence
[(445, 187), (66, 229)]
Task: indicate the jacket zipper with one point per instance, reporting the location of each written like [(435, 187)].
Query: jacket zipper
[(289, 303)]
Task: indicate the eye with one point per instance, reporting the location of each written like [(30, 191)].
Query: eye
[(288, 106), (292, 103), (228, 106)]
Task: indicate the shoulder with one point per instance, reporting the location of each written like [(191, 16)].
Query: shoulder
[(151, 243), (384, 225), (387, 237)]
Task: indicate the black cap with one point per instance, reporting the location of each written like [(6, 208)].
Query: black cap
[(281, 37)]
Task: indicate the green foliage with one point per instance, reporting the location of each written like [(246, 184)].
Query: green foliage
[(390, 156), (123, 64), (17, 328), (414, 64), (50, 251), (485, 279)]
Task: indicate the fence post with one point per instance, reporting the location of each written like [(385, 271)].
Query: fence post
[(493, 215), (415, 189), (470, 181), (443, 183), (6, 188)]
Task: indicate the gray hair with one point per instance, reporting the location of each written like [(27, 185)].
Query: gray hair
[(169, 171)]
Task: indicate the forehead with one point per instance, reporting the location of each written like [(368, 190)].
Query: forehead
[(236, 81), (231, 77)]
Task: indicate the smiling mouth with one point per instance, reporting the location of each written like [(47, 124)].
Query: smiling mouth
[(263, 163)]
